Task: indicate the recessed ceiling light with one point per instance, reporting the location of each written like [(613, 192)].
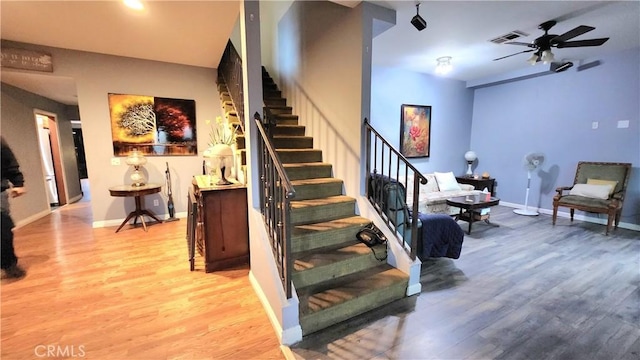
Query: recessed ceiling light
[(134, 4)]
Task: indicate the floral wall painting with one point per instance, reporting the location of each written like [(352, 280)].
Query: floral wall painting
[(415, 130), (153, 125)]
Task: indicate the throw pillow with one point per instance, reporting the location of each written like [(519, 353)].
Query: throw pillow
[(613, 183), (591, 191), (432, 183), (447, 181)]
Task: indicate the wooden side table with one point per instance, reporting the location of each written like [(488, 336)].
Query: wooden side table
[(138, 192), (478, 184)]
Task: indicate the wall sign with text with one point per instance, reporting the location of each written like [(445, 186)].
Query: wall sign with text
[(26, 60)]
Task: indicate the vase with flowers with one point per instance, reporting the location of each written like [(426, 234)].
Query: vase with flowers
[(221, 151)]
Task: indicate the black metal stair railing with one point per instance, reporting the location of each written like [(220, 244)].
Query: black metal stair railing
[(386, 164), (276, 193), (230, 69)]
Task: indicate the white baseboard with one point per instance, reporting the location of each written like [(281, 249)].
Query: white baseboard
[(32, 218), (286, 336), (567, 215)]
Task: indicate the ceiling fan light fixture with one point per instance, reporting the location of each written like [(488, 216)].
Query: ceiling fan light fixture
[(547, 57), (533, 59), (443, 65)]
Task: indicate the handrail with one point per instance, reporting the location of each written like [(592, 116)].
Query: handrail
[(230, 69), (276, 193), (397, 221)]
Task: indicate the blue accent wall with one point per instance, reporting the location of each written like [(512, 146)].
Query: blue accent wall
[(551, 113), (451, 113)]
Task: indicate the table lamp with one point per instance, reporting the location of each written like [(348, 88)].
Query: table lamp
[(221, 156), (470, 156), (136, 159)]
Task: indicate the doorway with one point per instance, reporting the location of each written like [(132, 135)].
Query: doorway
[(51, 158)]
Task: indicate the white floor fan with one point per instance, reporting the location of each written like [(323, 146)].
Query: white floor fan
[(531, 162)]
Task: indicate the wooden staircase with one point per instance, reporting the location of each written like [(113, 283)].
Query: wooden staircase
[(336, 277)]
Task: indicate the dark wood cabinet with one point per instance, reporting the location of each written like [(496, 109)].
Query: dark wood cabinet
[(478, 184), (222, 230)]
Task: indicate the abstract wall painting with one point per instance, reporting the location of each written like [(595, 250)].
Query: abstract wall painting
[(155, 126)]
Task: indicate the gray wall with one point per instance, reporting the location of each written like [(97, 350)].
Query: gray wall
[(97, 75), (320, 61), (20, 131), (553, 114)]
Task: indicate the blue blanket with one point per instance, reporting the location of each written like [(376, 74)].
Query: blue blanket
[(441, 237)]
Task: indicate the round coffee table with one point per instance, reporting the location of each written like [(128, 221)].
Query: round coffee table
[(469, 208)]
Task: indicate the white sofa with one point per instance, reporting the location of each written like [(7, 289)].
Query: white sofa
[(433, 201)]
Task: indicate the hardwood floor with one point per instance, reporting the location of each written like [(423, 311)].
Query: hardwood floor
[(524, 290), (96, 294)]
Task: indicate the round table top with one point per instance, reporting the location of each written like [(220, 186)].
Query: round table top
[(132, 190)]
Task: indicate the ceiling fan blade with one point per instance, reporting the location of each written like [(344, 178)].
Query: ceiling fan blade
[(518, 53), (520, 43), (571, 34), (579, 43)]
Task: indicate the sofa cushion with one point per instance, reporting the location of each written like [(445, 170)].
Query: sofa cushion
[(447, 181)]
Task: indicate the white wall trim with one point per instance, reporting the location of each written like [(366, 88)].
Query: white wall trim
[(32, 218), (579, 217), (286, 336)]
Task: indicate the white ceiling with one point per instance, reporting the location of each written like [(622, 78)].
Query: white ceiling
[(462, 30), (196, 32)]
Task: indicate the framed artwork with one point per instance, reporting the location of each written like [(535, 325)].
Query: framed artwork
[(153, 125), (415, 130)]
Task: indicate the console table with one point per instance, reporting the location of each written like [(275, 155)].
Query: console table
[(221, 224), (478, 184), (138, 192)]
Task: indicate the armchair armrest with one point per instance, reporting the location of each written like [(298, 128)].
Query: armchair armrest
[(559, 191)]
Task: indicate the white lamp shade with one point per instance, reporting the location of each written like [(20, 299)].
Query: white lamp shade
[(547, 57), (470, 156)]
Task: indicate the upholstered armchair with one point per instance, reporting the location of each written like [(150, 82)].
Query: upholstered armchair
[(598, 187)]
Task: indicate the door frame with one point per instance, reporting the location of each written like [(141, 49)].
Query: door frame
[(56, 152)]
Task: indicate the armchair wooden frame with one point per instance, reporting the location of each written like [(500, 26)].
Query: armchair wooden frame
[(612, 206)]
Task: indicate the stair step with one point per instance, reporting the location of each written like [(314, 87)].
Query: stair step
[(275, 102), (316, 266), (224, 96), (292, 142), (288, 156), (293, 130), (271, 93), (317, 188), (308, 170), (321, 210), (325, 234), (285, 119), (280, 109), (268, 84), (349, 296)]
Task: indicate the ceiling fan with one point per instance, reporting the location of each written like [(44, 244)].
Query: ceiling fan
[(542, 45)]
